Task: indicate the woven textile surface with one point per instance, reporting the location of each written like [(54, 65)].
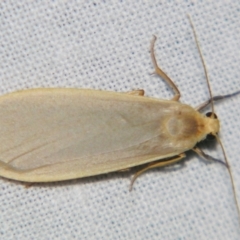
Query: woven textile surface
[(105, 45)]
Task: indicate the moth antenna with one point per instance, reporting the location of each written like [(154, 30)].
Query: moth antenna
[(203, 63), (231, 176), (216, 98)]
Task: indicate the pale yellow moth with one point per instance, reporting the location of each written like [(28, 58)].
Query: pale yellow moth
[(59, 134)]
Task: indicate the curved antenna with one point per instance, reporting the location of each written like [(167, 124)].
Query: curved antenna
[(231, 176), (203, 63), (216, 98)]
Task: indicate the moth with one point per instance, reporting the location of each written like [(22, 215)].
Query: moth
[(60, 134)]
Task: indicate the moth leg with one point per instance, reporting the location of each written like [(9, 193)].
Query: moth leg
[(156, 165), (139, 92), (207, 157), (162, 74)]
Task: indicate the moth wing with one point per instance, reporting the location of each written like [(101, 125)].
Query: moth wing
[(59, 134)]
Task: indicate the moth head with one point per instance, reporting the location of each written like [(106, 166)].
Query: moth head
[(212, 125)]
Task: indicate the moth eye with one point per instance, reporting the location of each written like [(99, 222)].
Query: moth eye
[(210, 137), (209, 114)]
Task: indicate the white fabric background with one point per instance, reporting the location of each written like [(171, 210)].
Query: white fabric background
[(105, 45)]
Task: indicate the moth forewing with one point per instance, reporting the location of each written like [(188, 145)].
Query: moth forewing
[(60, 134)]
